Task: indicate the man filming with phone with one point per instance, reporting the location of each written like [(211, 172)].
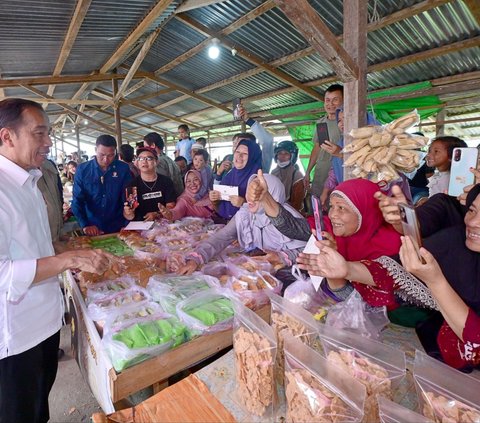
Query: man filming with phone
[(320, 157)]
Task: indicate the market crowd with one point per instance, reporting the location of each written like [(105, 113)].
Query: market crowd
[(259, 193)]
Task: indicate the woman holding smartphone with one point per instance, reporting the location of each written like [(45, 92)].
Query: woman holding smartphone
[(452, 273)]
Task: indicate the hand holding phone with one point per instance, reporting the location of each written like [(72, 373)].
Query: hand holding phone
[(411, 227), (322, 133), (460, 175), (317, 215), (236, 109), (132, 197)]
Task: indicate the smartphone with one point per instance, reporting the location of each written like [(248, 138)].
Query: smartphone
[(411, 227), (236, 108), (132, 197), (460, 176), (322, 133), (317, 215)]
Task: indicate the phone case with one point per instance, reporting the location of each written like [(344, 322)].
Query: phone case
[(410, 225), (460, 176), (322, 132), (317, 214), (236, 109)]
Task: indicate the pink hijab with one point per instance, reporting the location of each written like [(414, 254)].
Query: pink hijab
[(189, 195)]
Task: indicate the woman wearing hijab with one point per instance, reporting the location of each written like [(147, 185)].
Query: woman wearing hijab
[(355, 235), (247, 159), (253, 229), (187, 205), (451, 240)]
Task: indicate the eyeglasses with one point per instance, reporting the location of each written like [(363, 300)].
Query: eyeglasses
[(146, 159)]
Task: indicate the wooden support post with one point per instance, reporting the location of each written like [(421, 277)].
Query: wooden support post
[(440, 125), (77, 135), (355, 44), (116, 112)]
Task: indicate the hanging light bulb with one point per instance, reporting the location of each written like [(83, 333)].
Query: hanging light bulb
[(214, 50), (85, 122)]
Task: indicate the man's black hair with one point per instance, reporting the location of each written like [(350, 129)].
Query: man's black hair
[(126, 153), (154, 138), (106, 141), (11, 111)]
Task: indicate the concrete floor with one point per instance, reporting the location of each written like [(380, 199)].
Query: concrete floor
[(70, 399)]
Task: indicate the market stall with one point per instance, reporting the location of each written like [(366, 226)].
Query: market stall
[(144, 273)]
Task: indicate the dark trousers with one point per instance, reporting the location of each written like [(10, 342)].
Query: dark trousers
[(25, 382)]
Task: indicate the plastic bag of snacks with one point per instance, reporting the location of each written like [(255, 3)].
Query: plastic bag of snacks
[(207, 311), (303, 293), (287, 318), (168, 290), (107, 288), (356, 315), (152, 254), (249, 264), (132, 341), (255, 349), (222, 271), (317, 391), (251, 288), (445, 394), (391, 412), (101, 308), (379, 367)]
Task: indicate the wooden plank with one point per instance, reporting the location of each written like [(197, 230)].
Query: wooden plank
[(79, 14), (117, 115), (64, 79), (136, 63), (124, 48), (355, 42), (135, 87), (474, 7), (107, 128), (319, 36), (195, 4), (247, 55), (65, 101), (167, 364), (183, 90), (427, 54)]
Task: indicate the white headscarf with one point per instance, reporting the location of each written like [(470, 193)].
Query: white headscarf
[(255, 230)]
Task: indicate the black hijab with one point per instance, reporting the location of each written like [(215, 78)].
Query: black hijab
[(460, 265)]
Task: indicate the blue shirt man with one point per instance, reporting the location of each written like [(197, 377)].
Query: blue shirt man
[(99, 190)]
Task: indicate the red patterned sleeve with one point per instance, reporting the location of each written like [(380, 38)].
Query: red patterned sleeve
[(382, 293), (471, 331)]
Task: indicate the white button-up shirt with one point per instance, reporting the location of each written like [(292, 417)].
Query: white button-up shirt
[(29, 313)]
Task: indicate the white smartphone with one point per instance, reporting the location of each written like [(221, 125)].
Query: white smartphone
[(411, 226), (460, 176)]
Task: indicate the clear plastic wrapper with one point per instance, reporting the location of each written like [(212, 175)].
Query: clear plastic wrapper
[(255, 349), (249, 264), (391, 412), (99, 309), (445, 394), (251, 288), (303, 293), (291, 319), (174, 243), (107, 288), (222, 271), (357, 316), (168, 290), (175, 261), (379, 367), (316, 391), (151, 254), (133, 341), (208, 311)]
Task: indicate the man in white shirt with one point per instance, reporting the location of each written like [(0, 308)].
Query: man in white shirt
[(31, 304)]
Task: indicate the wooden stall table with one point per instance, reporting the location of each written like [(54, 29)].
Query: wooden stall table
[(106, 384)]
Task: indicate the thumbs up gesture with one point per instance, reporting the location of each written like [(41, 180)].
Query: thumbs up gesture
[(257, 188)]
